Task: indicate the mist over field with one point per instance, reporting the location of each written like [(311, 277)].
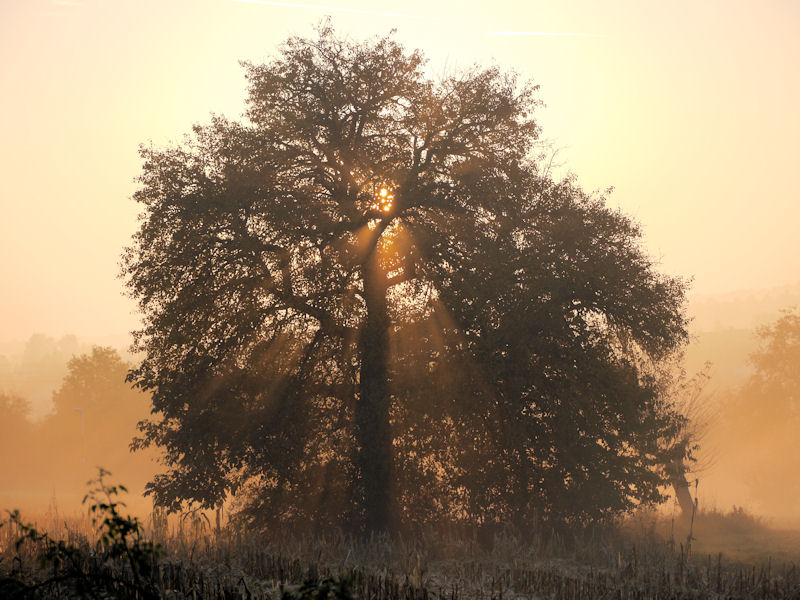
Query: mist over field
[(739, 464)]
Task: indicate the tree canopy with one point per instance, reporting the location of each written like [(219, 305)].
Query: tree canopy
[(367, 303)]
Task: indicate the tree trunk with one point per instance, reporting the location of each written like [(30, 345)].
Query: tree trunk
[(681, 488), (373, 431)]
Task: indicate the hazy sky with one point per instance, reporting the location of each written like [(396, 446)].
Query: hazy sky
[(691, 110)]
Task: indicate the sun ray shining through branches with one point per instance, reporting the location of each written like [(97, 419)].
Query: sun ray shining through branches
[(367, 306)]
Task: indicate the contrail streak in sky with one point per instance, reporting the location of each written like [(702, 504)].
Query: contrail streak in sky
[(333, 9), (544, 33), (379, 13)]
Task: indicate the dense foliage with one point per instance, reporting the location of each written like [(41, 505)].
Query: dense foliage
[(367, 303)]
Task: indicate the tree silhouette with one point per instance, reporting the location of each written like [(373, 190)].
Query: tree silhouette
[(366, 303), (95, 413), (763, 415)]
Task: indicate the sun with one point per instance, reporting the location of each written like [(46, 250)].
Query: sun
[(383, 199)]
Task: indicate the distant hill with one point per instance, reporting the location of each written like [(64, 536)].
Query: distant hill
[(744, 309), (724, 330)]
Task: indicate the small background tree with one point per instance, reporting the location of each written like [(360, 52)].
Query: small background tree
[(763, 417), (94, 417)]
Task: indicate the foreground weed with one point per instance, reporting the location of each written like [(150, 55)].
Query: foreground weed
[(327, 589), (122, 563)]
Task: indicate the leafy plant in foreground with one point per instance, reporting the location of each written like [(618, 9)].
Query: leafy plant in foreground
[(122, 563)]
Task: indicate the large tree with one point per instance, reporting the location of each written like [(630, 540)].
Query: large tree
[(367, 302)]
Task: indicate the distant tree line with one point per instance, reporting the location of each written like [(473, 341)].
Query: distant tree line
[(94, 417)]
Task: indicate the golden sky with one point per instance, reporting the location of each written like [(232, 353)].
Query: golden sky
[(691, 110)]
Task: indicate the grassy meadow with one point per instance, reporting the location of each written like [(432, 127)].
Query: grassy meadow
[(648, 555)]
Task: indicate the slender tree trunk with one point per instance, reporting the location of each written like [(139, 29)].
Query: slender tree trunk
[(681, 488), (373, 429)]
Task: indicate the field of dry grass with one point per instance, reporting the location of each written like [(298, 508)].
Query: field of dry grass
[(731, 555)]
